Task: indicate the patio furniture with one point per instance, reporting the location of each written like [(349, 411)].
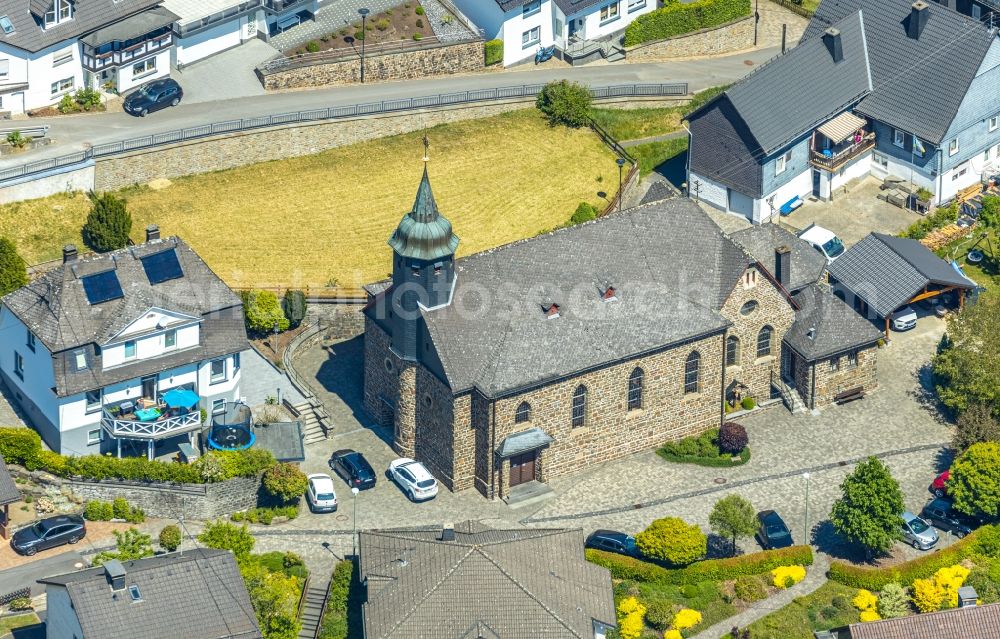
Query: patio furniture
[(849, 395), (289, 21), (146, 403), (147, 414), (126, 406), (790, 205), (180, 398)]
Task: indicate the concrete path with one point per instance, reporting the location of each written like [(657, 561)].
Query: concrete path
[(226, 76), (815, 577), (260, 379)]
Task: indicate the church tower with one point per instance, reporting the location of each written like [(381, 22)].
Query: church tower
[(423, 268)]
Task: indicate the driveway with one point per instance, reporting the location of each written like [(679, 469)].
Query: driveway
[(226, 76)]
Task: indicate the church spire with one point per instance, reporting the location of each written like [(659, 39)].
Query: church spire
[(424, 233)]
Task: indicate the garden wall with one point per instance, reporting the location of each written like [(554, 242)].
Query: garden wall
[(727, 38), (434, 60)]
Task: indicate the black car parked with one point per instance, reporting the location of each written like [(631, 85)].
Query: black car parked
[(940, 514), (612, 541), (153, 97), (773, 533), (49, 533), (353, 468)]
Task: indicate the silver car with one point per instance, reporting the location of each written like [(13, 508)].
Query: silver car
[(918, 533)]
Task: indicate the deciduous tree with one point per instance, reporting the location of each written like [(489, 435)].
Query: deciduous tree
[(967, 366), (974, 485), (565, 102), (226, 536), (975, 424), (869, 512), (733, 517), (131, 545)]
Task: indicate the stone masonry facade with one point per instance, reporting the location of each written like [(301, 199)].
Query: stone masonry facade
[(820, 381), (728, 38), (435, 60)]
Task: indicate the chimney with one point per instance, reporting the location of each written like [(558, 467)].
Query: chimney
[(551, 309), (448, 532), (967, 597), (919, 13), (783, 265), (115, 572), (152, 232), (69, 253), (834, 44)]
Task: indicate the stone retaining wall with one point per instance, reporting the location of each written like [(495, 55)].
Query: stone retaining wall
[(728, 38), (337, 321), (442, 59)]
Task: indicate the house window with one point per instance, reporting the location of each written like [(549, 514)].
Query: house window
[(4, 69), (236, 363), (953, 147), (130, 349), (732, 350), (50, 16), (692, 372), (145, 67), (80, 359), (93, 401), (94, 436), (531, 37), (31, 341), (170, 339), (579, 406), (993, 122), (749, 307), (531, 8), (218, 373), (959, 171), (899, 138), (782, 163), (986, 155), (977, 12), (6, 25), (62, 86), (764, 342), (523, 413), (65, 10), (62, 57), (609, 12), (18, 365), (852, 358), (834, 363), (635, 389), (881, 161), (218, 406), (635, 5)]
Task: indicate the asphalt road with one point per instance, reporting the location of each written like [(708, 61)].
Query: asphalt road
[(29, 573), (75, 133)]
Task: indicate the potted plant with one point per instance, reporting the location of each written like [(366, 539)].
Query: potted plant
[(923, 197)]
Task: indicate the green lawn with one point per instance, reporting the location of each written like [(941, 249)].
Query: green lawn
[(633, 124), (986, 273), (8, 624), (828, 607), (653, 154)]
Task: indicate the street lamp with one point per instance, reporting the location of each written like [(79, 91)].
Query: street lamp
[(806, 477), (621, 164), (354, 537), (274, 338), (364, 36)]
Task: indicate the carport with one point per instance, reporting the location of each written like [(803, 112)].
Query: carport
[(882, 274)]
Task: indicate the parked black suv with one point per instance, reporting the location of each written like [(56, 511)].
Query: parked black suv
[(612, 541), (49, 533), (773, 533), (353, 468), (940, 514), (153, 97)]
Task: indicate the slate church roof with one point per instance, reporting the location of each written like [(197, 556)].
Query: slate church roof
[(762, 240), (825, 325), (514, 584)]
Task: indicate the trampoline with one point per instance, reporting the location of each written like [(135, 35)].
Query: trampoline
[(231, 429)]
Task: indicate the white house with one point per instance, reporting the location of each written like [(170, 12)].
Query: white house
[(90, 349), (49, 48), (528, 25)]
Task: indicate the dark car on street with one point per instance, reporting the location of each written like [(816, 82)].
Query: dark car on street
[(353, 468), (153, 97), (773, 533), (612, 541), (940, 514), (49, 533)]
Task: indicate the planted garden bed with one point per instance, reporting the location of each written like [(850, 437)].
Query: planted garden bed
[(405, 21), (706, 449)]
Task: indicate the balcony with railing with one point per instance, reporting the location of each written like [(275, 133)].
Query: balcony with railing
[(115, 54), (150, 420), (839, 141)]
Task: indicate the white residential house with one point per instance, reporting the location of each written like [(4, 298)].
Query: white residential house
[(528, 25), (49, 48), (90, 348)]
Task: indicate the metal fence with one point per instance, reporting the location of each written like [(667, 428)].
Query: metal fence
[(795, 7), (300, 60), (677, 90), (21, 593)]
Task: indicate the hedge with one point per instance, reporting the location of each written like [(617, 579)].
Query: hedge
[(494, 52), (875, 579), (675, 19), (623, 567)]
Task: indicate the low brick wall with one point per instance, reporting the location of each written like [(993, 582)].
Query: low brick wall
[(337, 321), (441, 59), (728, 38)]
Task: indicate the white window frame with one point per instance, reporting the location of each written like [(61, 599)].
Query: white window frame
[(135, 350), (611, 12), (635, 5), (89, 406), (4, 69), (170, 340), (781, 164), (19, 365), (148, 67), (881, 161), (80, 359), (899, 138), (65, 9), (213, 377), (531, 37), (30, 343), (531, 8), (992, 122), (62, 57), (91, 439), (953, 147), (63, 86), (218, 406)]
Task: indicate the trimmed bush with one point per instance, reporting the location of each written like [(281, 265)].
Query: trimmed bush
[(673, 540), (120, 508), (659, 614), (749, 589), (675, 19), (108, 223), (748, 403), (294, 307), (263, 312), (493, 50), (285, 482), (419, 10), (170, 538), (892, 602), (21, 446), (97, 510), (265, 515), (702, 450), (564, 102), (733, 438), (312, 46), (787, 576), (987, 589), (585, 212), (758, 563)]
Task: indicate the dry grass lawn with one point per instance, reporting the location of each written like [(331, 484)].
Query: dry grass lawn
[(307, 221)]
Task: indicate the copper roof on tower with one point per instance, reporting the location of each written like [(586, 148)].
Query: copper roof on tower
[(424, 233)]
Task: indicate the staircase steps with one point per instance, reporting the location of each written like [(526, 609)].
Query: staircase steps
[(315, 423), (312, 609)]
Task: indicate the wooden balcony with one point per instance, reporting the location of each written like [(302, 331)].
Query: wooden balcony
[(129, 426), (835, 158), (99, 61)]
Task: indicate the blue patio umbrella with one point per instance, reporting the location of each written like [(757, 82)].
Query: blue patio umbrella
[(180, 398)]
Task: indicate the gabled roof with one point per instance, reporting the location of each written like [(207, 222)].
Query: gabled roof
[(568, 7), (197, 594), (89, 15), (824, 325), (887, 272), (761, 242), (979, 622), (514, 584), (917, 84), (9, 492)]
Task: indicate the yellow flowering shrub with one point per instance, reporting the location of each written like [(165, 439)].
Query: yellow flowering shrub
[(949, 580), (785, 576), (630, 614), (869, 615), (687, 618), (673, 634), (865, 600), (927, 596)]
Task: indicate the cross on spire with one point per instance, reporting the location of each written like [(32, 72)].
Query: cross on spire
[(427, 149)]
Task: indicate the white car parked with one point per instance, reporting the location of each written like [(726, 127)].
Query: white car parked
[(904, 319), (824, 241), (413, 478), (320, 495)]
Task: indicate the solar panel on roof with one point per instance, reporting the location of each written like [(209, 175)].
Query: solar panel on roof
[(162, 266), (102, 287)]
